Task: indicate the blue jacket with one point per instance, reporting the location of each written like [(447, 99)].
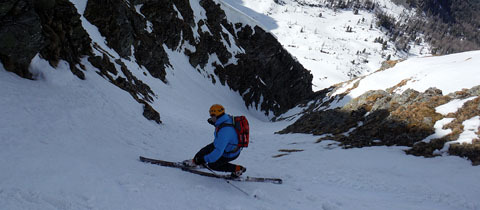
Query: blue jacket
[(226, 141)]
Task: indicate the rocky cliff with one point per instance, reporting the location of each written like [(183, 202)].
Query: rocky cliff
[(250, 60)]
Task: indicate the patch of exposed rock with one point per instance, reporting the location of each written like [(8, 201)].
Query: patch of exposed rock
[(51, 28), (469, 110), (381, 118), (21, 36)]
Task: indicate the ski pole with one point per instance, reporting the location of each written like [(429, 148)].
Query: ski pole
[(228, 181)]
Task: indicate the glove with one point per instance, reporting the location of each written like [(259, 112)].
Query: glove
[(211, 121), (198, 160)]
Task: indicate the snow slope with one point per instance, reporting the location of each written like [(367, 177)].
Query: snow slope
[(448, 73), (318, 37), (71, 144)]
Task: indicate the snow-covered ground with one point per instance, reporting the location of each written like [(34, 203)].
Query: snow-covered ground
[(71, 144), (448, 73), (318, 37)]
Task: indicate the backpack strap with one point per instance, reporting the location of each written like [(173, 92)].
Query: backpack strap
[(227, 125), (222, 126)]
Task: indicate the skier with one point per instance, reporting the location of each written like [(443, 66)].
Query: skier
[(217, 155)]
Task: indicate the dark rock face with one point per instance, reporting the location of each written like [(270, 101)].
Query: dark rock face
[(63, 30), (123, 28), (261, 70), (51, 28), (21, 36), (116, 22), (266, 75), (168, 27), (211, 42), (267, 70)]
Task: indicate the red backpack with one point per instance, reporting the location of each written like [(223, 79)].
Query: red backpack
[(240, 123)]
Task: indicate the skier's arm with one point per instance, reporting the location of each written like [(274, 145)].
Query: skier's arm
[(220, 143)]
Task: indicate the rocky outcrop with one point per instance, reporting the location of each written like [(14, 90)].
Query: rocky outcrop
[(260, 69), (377, 117), (21, 36), (123, 28), (64, 33), (267, 70), (383, 118), (266, 75), (469, 110), (51, 28)]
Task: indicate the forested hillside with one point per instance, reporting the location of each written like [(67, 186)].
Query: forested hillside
[(449, 26)]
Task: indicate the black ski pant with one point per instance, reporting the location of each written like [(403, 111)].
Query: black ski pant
[(222, 164)]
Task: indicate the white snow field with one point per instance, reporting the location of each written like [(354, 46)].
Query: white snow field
[(448, 73)]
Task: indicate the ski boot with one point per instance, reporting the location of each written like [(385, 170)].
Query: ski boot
[(189, 163), (239, 170)]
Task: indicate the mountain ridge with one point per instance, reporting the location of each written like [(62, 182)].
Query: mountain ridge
[(125, 35)]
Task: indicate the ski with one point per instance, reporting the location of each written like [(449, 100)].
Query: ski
[(209, 174)]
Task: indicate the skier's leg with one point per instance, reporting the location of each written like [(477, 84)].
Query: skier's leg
[(223, 164), (205, 150)]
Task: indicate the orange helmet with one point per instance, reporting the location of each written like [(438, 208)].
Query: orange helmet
[(216, 110)]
